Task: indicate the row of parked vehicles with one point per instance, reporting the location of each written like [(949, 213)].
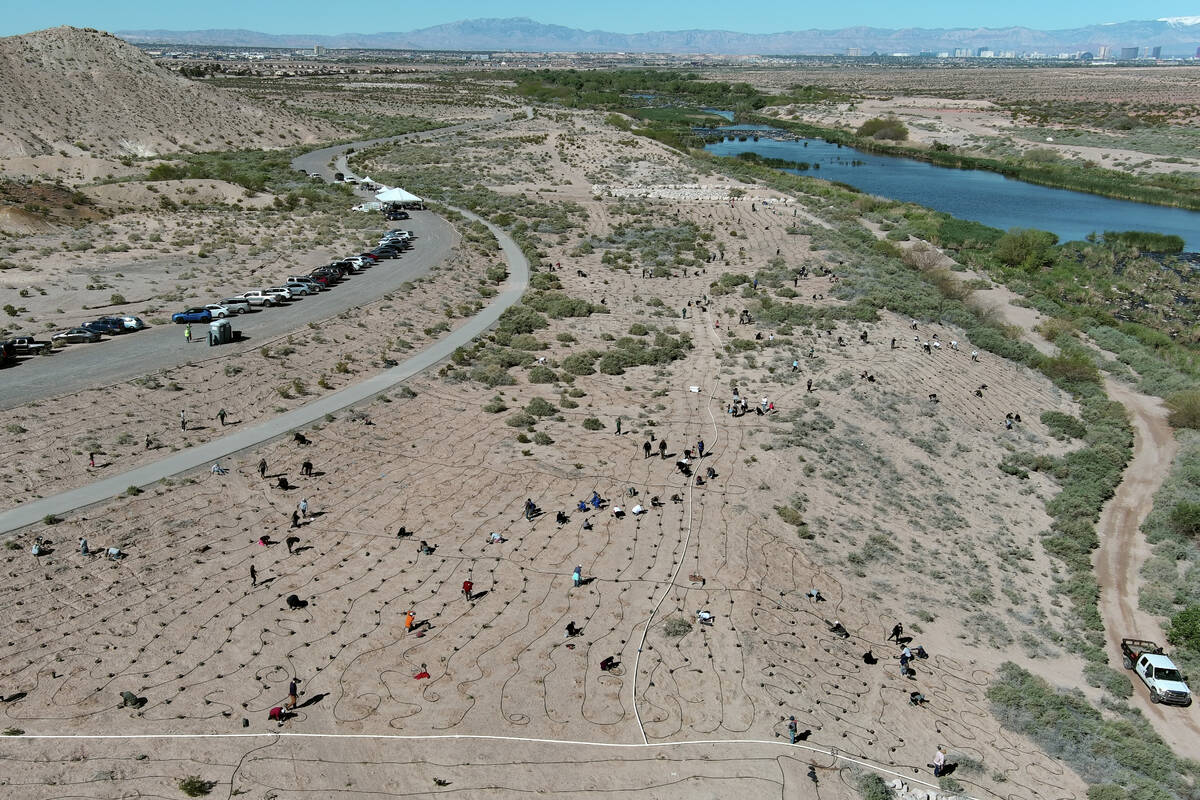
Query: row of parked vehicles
[(85, 333), (391, 245)]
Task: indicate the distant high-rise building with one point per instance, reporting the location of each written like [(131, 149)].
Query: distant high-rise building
[(318, 50), (979, 51), (1128, 53), (854, 51), (1156, 52), (1103, 51)]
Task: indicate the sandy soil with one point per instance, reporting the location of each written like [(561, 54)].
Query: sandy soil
[(906, 518)]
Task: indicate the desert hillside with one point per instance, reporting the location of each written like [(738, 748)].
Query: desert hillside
[(68, 90)]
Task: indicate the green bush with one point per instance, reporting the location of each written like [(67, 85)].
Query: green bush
[(496, 274), (1185, 519), (581, 363), (1026, 248), (492, 375), (884, 128), (1063, 426), (520, 419), (638, 329), (593, 424), (677, 626), (540, 407), (542, 438), (1122, 749), (1184, 409), (542, 374), (195, 786), (495, 405), (521, 319), (1185, 629), (872, 787)]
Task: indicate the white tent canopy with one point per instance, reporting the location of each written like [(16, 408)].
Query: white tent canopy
[(397, 195)]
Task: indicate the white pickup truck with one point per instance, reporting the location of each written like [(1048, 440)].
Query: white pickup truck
[(1164, 680)]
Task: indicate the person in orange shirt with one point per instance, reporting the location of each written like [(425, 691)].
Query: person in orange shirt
[(409, 618)]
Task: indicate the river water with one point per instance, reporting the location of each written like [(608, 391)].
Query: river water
[(986, 197)]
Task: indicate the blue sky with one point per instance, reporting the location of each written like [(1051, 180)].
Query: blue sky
[(624, 16)]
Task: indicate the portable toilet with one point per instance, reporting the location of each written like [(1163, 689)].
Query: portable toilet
[(219, 332)]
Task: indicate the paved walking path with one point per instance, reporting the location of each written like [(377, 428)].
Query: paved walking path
[(204, 455)]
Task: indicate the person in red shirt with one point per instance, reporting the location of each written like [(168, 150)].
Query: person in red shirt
[(467, 587)]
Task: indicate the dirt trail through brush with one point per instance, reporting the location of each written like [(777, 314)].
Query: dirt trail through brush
[(1123, 550)]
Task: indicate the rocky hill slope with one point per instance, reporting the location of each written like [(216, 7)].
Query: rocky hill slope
[(68, 90)]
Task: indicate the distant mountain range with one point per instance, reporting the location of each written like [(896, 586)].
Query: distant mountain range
[(1176, 36)]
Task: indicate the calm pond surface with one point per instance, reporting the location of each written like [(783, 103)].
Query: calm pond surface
[(986, 197)]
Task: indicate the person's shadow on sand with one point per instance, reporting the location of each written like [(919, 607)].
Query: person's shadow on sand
[(312, 701)]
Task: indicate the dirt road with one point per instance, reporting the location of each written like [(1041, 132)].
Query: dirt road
[(1123, 550)]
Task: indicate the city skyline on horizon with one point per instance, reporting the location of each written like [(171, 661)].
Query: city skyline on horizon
[(619, 16)]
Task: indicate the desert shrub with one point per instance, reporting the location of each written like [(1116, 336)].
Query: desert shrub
[(521, 319), (495, 405), (677, 626), (1063, 426), (884, 128), (1185, 519), (542, 438), (593, 424), (492, 375), (872, 787), (496, 274), (557, 305), (581, 363), (1184, 630), (526, 341), (790, 515), (540, 407), (630, 352), (542, 374), (1066, 369), (1025, 247), (638, 329), (195, 786), (1122, 749), (1105, 677), (520, 419), (1184, 409)]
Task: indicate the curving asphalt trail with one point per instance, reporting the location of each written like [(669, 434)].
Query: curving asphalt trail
[(205, 454)]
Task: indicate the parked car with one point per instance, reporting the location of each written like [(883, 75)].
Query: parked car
[(370, 256), (28, 346), (130, 323), (400, 233), (257, 297), (282, 292), (1164, 680), (103, 326), (238, 305), (338, 176), (8, 353), (326, 281), (75, 336), (192, 315), (395, 214), (219, 311), (308, 283)]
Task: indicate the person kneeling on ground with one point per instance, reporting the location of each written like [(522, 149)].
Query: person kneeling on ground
[(916, 699), (836, 628), (425, 548), (572, 630), (561, 518), (608, 663), (704, 617)]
